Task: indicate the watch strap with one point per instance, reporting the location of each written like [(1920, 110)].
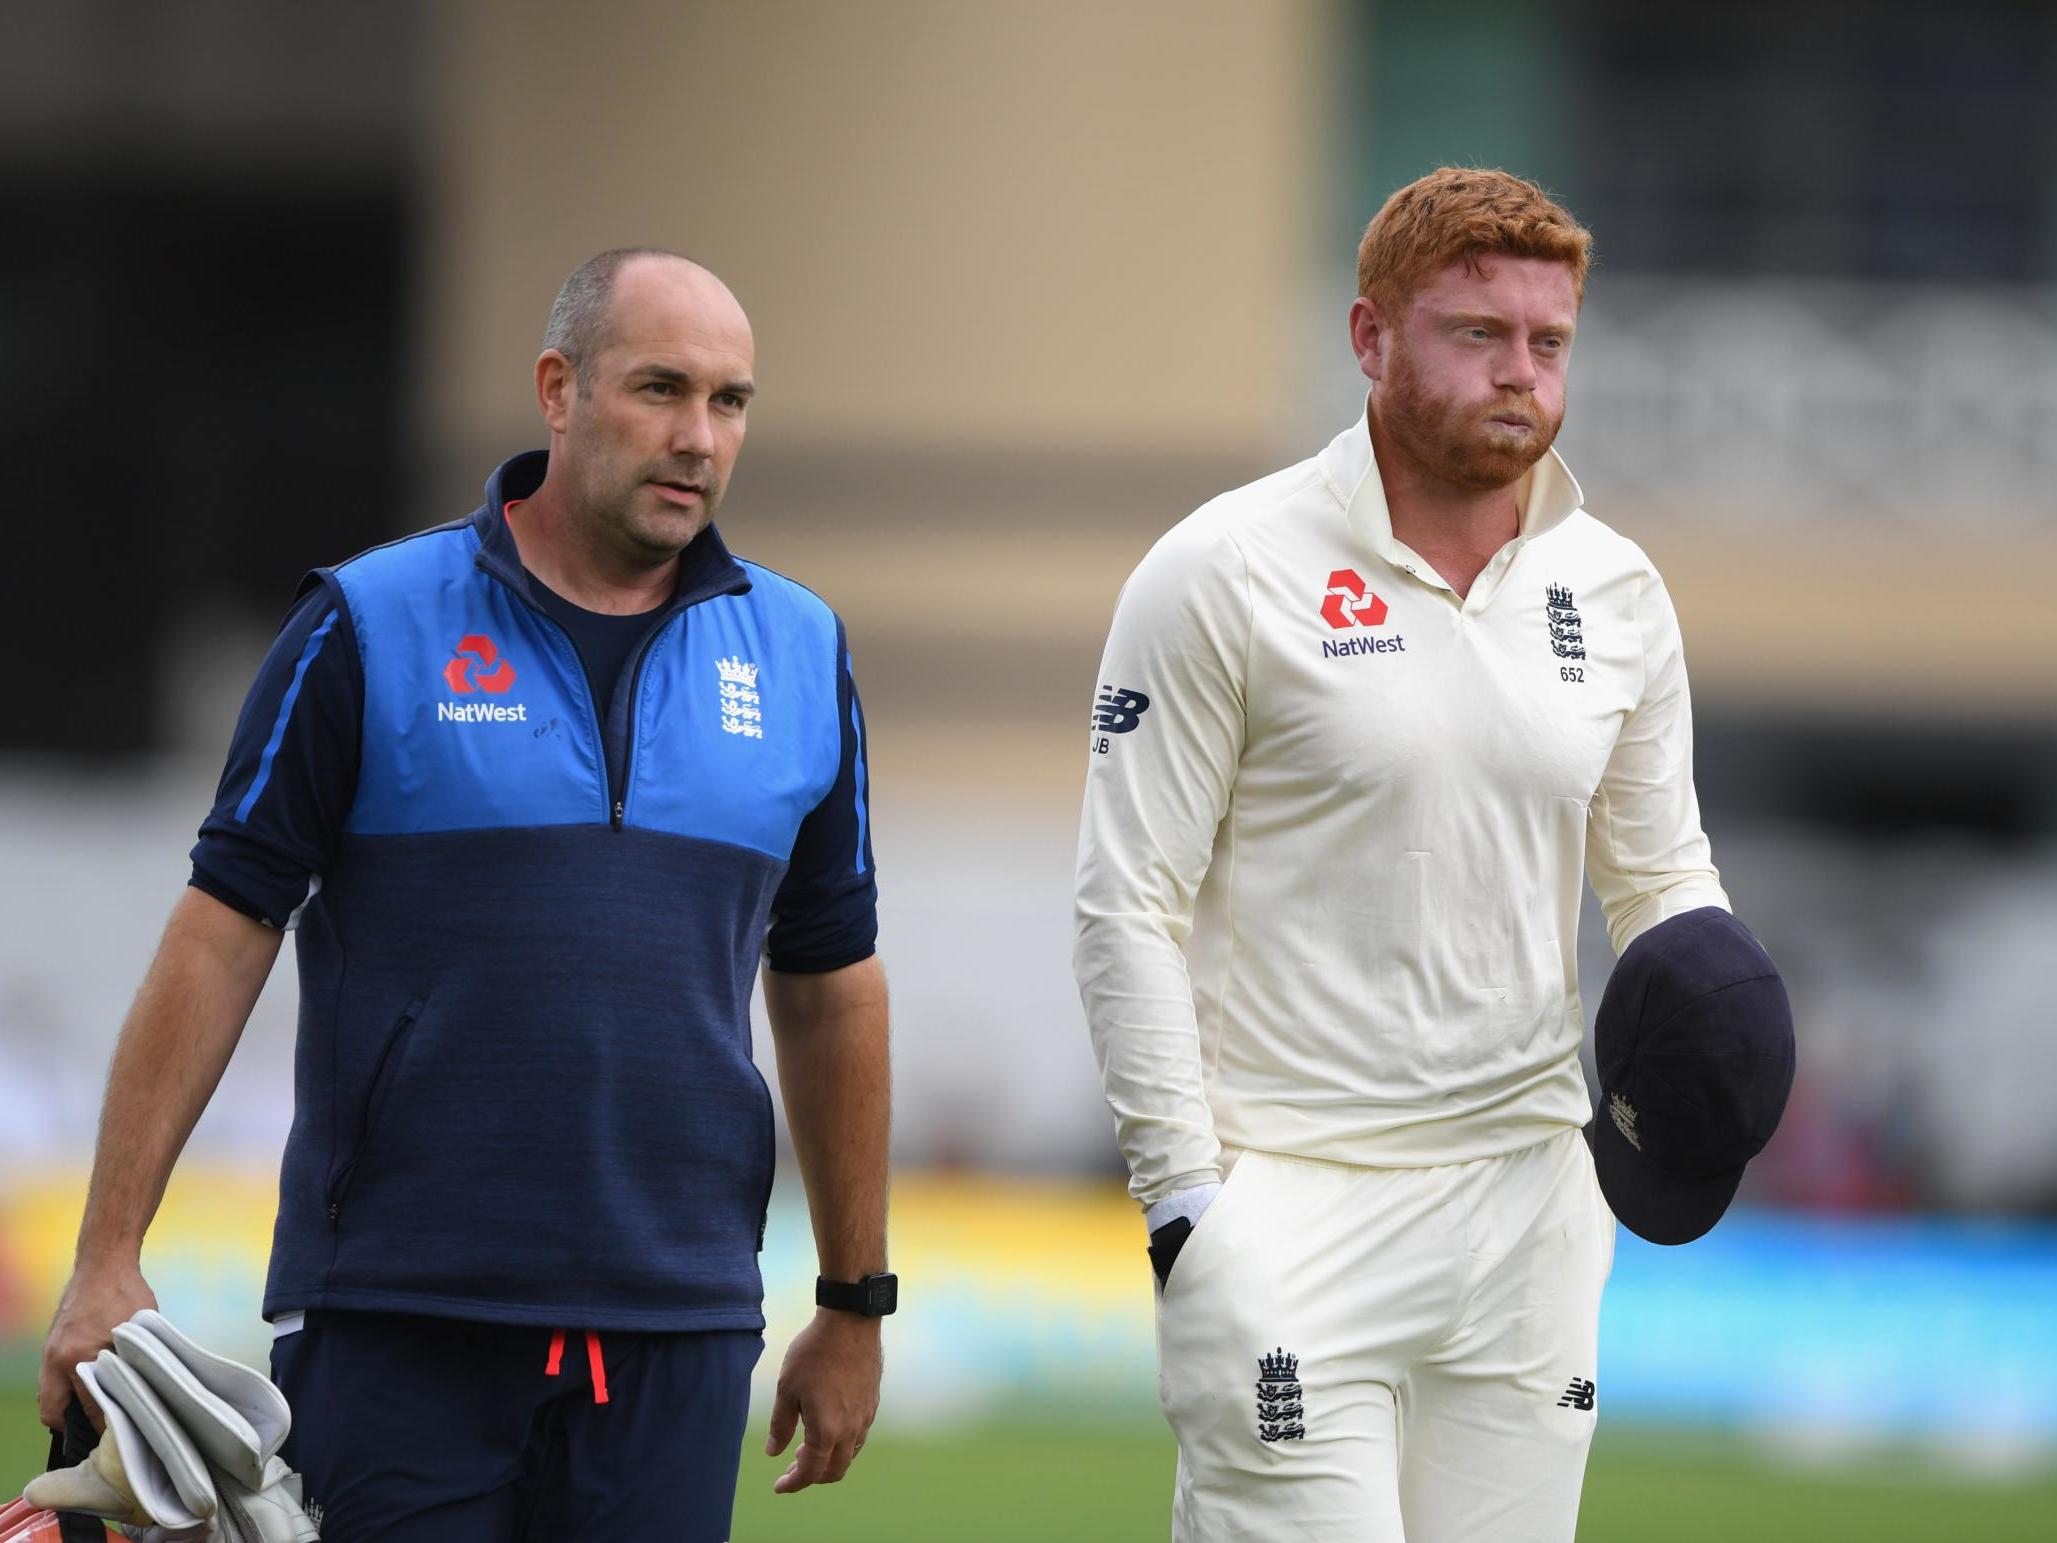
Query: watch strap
[(872, 1297)]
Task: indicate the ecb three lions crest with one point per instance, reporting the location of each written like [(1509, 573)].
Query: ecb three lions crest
[(1281, 1406)]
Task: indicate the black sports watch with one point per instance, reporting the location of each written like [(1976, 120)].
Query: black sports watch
[(873, 1297)]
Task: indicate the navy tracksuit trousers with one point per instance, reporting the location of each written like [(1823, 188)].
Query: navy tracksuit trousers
[(408, 1428)]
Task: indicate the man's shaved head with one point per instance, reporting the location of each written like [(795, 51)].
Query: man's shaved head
[(646, 373), (579, 318)]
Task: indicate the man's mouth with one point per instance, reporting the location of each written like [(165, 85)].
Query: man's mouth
[(679, 488)]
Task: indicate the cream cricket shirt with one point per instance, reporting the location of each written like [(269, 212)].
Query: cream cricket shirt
[(1328, 882)]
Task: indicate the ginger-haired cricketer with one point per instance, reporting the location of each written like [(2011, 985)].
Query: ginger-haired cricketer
[(1361, 729)]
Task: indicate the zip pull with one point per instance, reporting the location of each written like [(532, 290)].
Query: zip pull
[(617, 814)]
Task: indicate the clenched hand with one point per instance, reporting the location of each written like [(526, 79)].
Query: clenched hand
[(95, 1300)]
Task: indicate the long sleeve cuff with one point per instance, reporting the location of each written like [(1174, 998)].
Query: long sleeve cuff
[(1187, 1203)]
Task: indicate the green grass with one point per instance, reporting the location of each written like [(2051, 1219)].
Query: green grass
[(987, 1485), (1643, 1487), (1039, 1482)]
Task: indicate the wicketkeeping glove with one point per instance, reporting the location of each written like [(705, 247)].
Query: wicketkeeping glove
[(191, 1448)]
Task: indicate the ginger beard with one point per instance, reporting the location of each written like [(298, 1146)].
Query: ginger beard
[(1456, 441)]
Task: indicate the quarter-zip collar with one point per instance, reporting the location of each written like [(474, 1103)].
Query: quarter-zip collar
[(1547, 495), (706, 568)]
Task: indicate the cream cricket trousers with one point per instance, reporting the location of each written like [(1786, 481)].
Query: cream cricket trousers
[(1387, 1354)]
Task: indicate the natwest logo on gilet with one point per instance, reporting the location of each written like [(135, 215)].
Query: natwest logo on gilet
[(478, 666), (476, 647)]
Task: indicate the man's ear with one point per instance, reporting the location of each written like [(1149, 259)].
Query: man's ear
[(1371, 336), (556, 380)]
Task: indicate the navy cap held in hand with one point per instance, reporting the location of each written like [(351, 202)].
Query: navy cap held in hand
[(1695, 1050)]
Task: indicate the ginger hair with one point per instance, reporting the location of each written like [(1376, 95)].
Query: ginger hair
[(1469, 213)]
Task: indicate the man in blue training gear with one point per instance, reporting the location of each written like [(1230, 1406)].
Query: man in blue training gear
[(538, 790)]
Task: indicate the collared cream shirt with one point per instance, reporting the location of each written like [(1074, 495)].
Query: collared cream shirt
[(1336, 820)]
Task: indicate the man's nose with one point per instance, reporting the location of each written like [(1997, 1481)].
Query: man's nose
[(1517, 370), (692, 432)]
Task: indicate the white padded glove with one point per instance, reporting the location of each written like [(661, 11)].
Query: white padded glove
[(191, 1449), (234, 1415)]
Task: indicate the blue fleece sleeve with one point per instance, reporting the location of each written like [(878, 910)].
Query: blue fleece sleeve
[(825, 914), (292, 766)]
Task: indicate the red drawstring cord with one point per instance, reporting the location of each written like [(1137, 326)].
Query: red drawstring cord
[(594, 1363)]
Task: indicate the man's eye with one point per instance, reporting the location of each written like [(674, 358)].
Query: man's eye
[(662, 388)]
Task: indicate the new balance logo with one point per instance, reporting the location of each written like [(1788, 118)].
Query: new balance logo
[(1118, 710), (1579, 1395)]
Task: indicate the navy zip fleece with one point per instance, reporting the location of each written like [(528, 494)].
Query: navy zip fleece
[(527, 937)]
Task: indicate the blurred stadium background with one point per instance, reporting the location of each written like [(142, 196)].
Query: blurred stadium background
[(1029, 283)]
